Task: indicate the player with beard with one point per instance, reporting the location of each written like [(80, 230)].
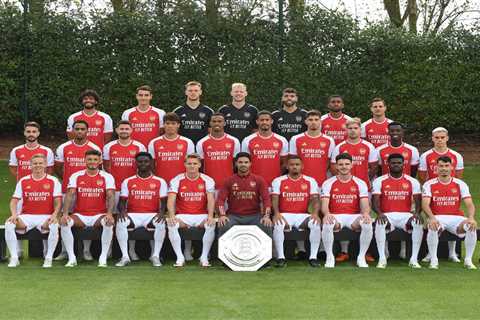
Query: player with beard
[(334, 123), (289, 120)]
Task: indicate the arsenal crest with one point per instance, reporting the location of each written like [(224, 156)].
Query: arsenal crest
[(353, 189), (98, 122), (276, 144), (46, 186), (323, 144), (180, 146), (246, 114), (228, 145), (152, 118), (201, 187), (405, 186), (253, 184), (454, 190), (298, 118), (344, 126), (153, 185), (133, 152), (363, 151), (304, 186), (99, 182), (405, 154), (202, 115)]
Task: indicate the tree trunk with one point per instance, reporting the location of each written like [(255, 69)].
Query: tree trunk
[(393, 10), (412, 16)]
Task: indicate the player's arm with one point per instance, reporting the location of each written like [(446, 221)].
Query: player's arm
[(58, 168), (13, 210), (376, 206), (171, 199), (470, 213), (373, 169), (67, 204), (422, 176), (107, 165), (13, 171), (110, 206), (122, 208), (277, 217), (365, 210), (210, 208), (314, 204), (432, 220), (417, 199), (325, 208), (459, 174)]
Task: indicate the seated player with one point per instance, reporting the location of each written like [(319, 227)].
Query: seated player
[(292, 194), (191, 203), (94, 193), (345, 204), (142, 204), (441, 201), (41, 197), (392, 201)]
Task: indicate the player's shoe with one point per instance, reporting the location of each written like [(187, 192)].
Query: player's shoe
[(71, 263), (433, 266), (342, 257), (330, 263), (179, 264), (414, 265), (314, 263), (47, 263), (361, 262), (61, 256), (369, 258), (102, 263), (155, 261), (123, 262), (300, 256), (133, 255), (188, 255), (281, 263), (205, 264), (382, 264), (427, 258), (454, 258), (13, 263), (87, 256), (469, 265)]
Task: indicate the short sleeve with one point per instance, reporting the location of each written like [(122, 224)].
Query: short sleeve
[(57, 188), (245, 143), (293, 145), (372, 155), (109, 182), (209, 184), (415, 157), (50, 158), (108, 125), (200, 148), (459, 162), (124, 189), (125, 115), (13, 158), (18, 193), (59, 155), (331, 148), (377, 186), (236, 146), (174, 184), (151, 148), (163, 189), (313, 187), (72, 182), (284, 150), (423, 163), (426, 191), (335, 153), (106, 151), (362, 189), (416, 188), (326, 188), (363, 133), (464, 190), (276, 186), (70, 122), (161, 114), (190, 147)]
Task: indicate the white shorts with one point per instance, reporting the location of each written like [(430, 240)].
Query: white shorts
[(32, 221), (141, 219), (295, 220), (192, 220), (346, 220), (451, 223), (398, 220), (89, 221)]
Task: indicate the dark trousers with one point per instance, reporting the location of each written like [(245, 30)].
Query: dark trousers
[(244, 220)]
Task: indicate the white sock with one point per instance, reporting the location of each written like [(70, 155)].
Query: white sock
[(327, 239), (451, 248), (45, 247), (344, 246), (301, 245), (63, 248), (403, 247), (321, 248), (107, 235), (19, 246), (52, 240), (122, 237), (380, 238), (365, 238), (188, 247), (176, 242), (315, 235), (278, 238), (67, 239), (11, 239), (470, 243), (86, 245), (417, 236), (207, 241), (158, 238), (152, 244), (432, 243)]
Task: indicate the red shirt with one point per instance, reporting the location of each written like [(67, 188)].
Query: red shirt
[(376, 132), (409, 153), (428, 162), (170, 155), (446, 198), (38, 195), (98, 124), (20, 157), (191, 194), (146, 124), (344, 196), (396, 194), (143, 194), (244, 194), (218, 155), (266, 153), (72, 156), (122, 159), (294, 195), (315, 153), (91, 191), (335, 128)]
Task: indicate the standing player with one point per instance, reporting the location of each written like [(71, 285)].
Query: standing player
[(292, 195), (268, 150), (334, 122), (441, 201), (392, 201), (289, 120), (94, 193), (375, 130), (169, 151), (142, 204), (194, 115), (191, 203), (100, 125), (239, 115), (147, 121), (41, 198), (345, 204)]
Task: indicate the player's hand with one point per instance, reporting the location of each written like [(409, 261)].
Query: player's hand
[(278, 219), (417, 218), (52, 219), (210, 221), (382, 219), (366, 218), (158, 218), (172, 221), (472, 224), (109, 220), (433, 224), (266, 221), (13, 219), (268, 211), (223, 220), (122, 216), (316, 219), (64, 220), (328, 219)]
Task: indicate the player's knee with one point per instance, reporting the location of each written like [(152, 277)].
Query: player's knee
[(380, 226), (10, 226), (174, 227), (366, 226), (159, 225), (313, 226), (432, 233), (278, 227), (121, 224), (53, 227), (327, 227)]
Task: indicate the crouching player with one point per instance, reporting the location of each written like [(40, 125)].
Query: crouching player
[(441, 201), (392, 201), (94, 194), (142, 204), (345, 204), (41, 196), (191, 203), (292, 194)]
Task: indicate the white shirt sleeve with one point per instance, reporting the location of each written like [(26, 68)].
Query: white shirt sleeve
[(236, 146), (190, 147), (423, 162), (57, 188), (459, 162), (276, 186), (108, 125), (125, 115), (174, 184), (372, 155), (106, 151), (363, 129), (426, 190), (335, 153), (313, 186), (293, 145), (161, 114), (416, 188), (163, 189), (151, 148), (124, 189), (18, 194), (72, 182), (109, 181), (326, 188), (464, 190), (331, 148), (209, 184), (284, 151), (200, 148), (362, 188), (50, 158), (59, 155), (245, 144), (415, 157), (70, 121), (377, 186), (13, 158)]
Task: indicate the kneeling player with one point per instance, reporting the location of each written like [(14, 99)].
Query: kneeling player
[(142, 204), (191, 203), (94, 191), (441, 201), (345, 204), (292, 194), (392, 201), (41, 197)]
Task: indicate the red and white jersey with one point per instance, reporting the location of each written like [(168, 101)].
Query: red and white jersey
[(91, 191), (344, 196), (72, 156), (122, 159), (99, 123), (37, 195), (446, 198), (143, 194), (191, 194), (428, 162), (170, 155), (146, 124), (315, 153), (396, 194), (335, 128), (20, 157), (409, 153), (363, 153), (218, 155), (294, 195), (376, 132), (266, 153)]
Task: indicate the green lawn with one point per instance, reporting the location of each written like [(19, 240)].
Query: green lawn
[(296, 292)]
